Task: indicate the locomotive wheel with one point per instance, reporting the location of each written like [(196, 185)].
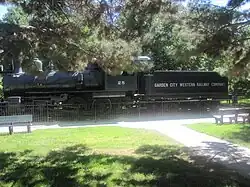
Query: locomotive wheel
[(76, 102), (2, 112), (173, 107), (102, 106)]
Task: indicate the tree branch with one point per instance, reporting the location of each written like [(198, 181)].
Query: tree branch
[(235, 24)]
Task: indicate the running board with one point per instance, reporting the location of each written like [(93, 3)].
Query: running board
[(109, 95)]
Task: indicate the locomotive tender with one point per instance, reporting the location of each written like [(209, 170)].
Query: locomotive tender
[(93, 85)]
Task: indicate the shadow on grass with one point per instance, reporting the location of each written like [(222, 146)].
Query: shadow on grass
[(79, 166), (243, 134)]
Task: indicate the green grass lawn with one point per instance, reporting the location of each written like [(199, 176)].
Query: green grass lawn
[(104, 156), (235, 133), (101, 138)]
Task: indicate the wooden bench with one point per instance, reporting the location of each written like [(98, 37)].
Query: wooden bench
[(244, 116), (16, 120), (220, 118), (232, 117)]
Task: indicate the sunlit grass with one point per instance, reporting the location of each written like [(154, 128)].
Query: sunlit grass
[(103, 156), (42, 141), (235, 133)]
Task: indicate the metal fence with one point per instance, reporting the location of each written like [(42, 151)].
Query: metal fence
[(117, 111)]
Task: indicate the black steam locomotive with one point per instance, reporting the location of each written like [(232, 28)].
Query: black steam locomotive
[(93, 85)]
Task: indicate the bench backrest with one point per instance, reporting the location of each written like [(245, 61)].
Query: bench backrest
[(15, 119), (233, 110)]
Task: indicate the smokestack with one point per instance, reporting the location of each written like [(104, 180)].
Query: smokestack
[(39, 64)]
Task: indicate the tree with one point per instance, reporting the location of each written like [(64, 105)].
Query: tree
[(72, 33), (16, 15), (237, 3), (171, 43), (225, 32)]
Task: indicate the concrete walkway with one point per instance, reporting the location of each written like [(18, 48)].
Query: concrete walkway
[(213, 149), (232, 156)]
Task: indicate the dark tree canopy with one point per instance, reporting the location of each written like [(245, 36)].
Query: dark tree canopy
[(73, 33)]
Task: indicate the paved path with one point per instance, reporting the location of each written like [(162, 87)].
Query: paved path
[(202, 145), (233, 156)]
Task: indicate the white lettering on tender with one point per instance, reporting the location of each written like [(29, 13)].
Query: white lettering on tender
[(173, 84), (161, 85), (187, 84), (121, 82), (202, 84), (217, 84)]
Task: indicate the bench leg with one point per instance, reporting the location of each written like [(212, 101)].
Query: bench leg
[(233, 119), (244, 120), (29, 128), (217, 121), (11, 129)]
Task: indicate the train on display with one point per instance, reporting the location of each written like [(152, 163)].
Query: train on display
[(93, 86)]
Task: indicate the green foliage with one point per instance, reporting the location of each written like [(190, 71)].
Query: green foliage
[(16, 16), (171, 43), (75, 33), (61, 34), (93, 31), (226, 36), (237, 3)]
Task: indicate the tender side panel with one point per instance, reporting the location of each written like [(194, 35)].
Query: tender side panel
[(186, 84)]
